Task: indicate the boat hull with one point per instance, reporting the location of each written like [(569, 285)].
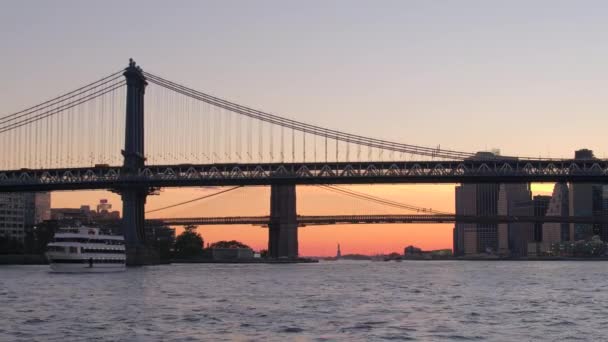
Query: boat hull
[(85, 268)]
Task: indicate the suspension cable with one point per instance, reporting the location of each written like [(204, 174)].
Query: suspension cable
[(60, 98), (62, 108), (307, 128), (194, 200), (380, 200)]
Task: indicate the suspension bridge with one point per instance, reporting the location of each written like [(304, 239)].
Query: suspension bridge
[(171, 135)]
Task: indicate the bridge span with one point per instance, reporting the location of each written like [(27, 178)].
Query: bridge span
[(193, 175), (311, 220)]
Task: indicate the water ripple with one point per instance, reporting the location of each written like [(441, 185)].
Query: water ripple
[(355, 301)]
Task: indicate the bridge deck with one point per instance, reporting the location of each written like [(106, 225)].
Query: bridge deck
[(470, 171)]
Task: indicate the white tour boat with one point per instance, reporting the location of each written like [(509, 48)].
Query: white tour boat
[(84, 249)]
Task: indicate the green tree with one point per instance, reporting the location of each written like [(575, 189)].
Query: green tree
[(189, 244), (228, 244), (40, 236)]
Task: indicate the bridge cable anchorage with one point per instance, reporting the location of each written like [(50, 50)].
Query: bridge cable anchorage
[(194, 200), (380, 200), (307, 128)]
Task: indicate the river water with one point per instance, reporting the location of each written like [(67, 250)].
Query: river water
[(344, 300)]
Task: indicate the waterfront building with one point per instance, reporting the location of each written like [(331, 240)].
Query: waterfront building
[(84, 214), (19, 212), (466, 234), (481, 200), (338, 253), (603, 228), (491, 200), (582, 201), (81, 214), (486, 200), (521, 233), (513, 237)]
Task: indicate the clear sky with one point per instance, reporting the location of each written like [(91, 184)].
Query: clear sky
[(527, 77)]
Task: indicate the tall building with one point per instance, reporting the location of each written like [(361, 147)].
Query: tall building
[(471, 238), (479, 200), (603, 228), (486, 200), (19, 212), (12, 214), (558, 206), (37, 207), (513, 237), (585, 200), (541, 204)]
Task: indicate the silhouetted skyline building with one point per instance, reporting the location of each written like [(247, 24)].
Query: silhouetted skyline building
[(554, 232), (603, 228), (486, 199), (541, 205), (585, 200), (515, 199), (85, 215)]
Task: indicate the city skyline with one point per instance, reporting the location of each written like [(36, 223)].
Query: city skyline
[(318, 240)]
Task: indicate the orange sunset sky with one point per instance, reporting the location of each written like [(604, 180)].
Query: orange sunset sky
[(314, 241)]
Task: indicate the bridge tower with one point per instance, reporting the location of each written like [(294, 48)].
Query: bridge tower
[(283, 226), (134, 198)]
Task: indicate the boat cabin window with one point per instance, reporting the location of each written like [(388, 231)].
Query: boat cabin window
[(55, 249), (104, 251), (86, 240), (114, 242), (73, 249)]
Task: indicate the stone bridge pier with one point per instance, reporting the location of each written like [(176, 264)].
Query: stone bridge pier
[(283, 226)]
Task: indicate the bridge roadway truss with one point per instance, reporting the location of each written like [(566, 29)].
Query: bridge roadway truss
[(303, 221), (477, 171)]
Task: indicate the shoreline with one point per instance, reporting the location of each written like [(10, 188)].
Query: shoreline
[(245, 261), (35, 259)]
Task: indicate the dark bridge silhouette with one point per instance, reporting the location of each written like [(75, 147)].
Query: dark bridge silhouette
[(180, 137)]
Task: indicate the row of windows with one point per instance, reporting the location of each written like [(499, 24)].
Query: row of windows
[(103, 251), (11, 225), (74, 249), (14, 232), (12, 212), (86, 240), (84, 261)]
